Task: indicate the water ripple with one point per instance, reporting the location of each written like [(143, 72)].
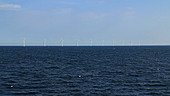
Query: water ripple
[(89, 71)]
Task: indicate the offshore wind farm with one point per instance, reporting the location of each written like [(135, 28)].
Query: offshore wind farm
[(78, 43)]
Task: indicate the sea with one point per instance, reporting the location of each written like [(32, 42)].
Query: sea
[(85, 71)]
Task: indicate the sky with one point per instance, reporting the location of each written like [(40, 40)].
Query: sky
[(124, 21)]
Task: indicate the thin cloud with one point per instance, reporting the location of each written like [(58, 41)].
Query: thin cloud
[(100, 2), (129, 8), (9, 6), (63, 11), (129, 13), (68, 3), (93, 15)]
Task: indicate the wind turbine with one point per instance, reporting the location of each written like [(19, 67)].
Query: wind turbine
[(24, 42), (91, 43), (102, 42), (123, 43), (113, 42), (62, 41), (130, 43), (44, 43), (77, 43), (139, 43)]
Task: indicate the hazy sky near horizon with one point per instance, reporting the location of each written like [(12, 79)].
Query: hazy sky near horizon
[(147, 21)]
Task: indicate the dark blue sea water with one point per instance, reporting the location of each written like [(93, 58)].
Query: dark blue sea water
[(85, 71)]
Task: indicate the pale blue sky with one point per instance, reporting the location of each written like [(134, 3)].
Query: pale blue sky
[(147, 21)]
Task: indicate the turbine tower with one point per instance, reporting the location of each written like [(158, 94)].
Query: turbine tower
[(102, 42), (91, 43), (24, 42), (77, 43), (130, 43), (123, 43), (62, 41), (44, 43), (113, 42), (139, 43)]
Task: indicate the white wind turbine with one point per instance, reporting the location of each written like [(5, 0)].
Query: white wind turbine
[(24, 42), (77, 43), (62, 42), (113, 42), (139, 43), (44, 43), (91, 43), (102, 42), (130, 43)]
